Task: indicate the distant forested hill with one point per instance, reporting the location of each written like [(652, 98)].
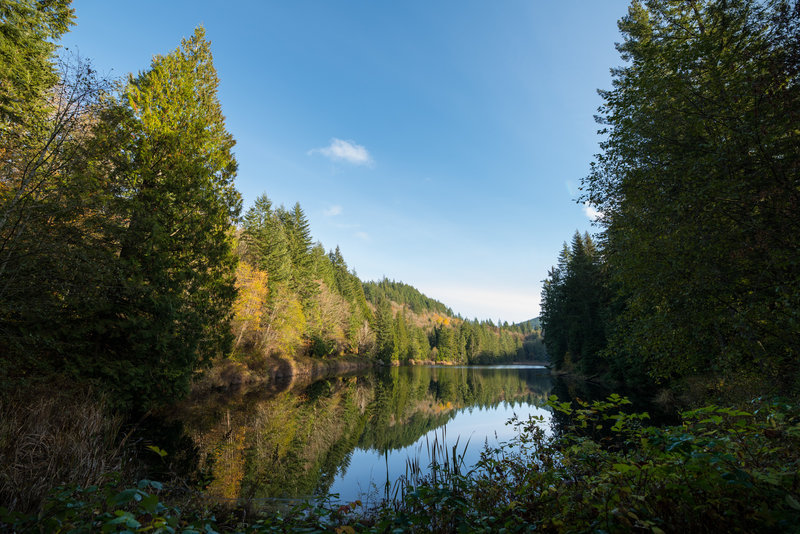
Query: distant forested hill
[(403, 294), (530, 325)]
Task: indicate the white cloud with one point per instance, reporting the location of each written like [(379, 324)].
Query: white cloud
[(348, 151), (362, 235), (333, 211), (592, 212)]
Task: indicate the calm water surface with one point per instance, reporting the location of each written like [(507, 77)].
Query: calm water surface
[(370, 471), (350, 435)]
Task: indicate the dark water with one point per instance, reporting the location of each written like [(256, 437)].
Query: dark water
[(354, 435)]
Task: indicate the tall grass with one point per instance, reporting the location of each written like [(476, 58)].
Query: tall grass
[(444, 466), (54, 437)]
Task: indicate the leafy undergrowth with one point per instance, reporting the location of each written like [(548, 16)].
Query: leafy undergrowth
[(722, 469)]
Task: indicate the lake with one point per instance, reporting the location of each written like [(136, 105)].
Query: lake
[(354, 435)]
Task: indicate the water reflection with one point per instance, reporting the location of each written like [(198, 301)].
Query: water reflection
[(350, 435), (438, 408)]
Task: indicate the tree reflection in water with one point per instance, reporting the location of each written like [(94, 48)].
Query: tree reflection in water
[(353, 432)]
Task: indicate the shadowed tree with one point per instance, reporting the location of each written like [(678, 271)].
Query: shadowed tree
[(176, 171), (698, 180)]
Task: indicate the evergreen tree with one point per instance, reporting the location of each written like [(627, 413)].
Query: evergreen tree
[(28, 31), (470, 336), (384, 332), (301, 237), (401, 339), (322, 267), (699, 185), (575, 300), (266, 242), (299, 243), (445, 343), (553, 314), (174, 301)]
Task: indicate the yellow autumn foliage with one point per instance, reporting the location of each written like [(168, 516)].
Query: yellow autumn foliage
[(250, 303), (285, 324)]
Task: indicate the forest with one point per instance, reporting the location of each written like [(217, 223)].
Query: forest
[(693, 280), (296, 298), (129, 274)]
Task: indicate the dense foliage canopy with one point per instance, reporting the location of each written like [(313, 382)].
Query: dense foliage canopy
[(117, 259), (698, 186)]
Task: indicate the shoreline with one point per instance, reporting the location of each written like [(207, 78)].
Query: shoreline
[(285, 372)]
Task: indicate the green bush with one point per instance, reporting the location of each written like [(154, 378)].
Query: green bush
[(721, 470)]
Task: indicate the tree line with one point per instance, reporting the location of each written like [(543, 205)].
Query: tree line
[(695, 271), (404, 294), (294, 298)]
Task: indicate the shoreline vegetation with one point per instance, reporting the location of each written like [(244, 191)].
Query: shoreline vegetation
[(228, 374), (131, 279)]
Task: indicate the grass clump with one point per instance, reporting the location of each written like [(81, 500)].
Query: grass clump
[(54, 436)]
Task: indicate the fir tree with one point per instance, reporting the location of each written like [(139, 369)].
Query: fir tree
[(176, 254)]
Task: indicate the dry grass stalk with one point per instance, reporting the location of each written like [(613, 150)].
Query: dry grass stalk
[(51, 438)]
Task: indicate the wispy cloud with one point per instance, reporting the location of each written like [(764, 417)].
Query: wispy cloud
[(592, 212), (333, 211), (572, 189), (362, 235), (349, 151)]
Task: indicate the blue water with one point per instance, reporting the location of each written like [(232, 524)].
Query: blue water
[(470, 430)]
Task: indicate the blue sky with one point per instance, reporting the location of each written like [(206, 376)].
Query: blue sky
[(437, 143)]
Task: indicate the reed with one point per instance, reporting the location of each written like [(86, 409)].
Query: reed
[(444, 467), (54, 437)]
